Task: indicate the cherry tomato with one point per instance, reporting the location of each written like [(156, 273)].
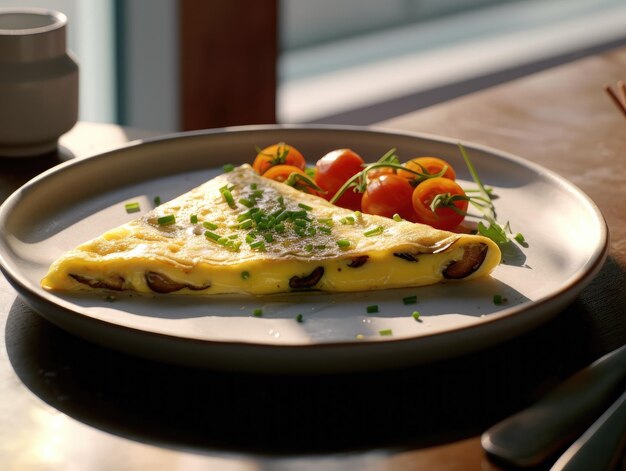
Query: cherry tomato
[(278, 154), (431, 165), (388, 195), (379, 172), (280, 173), (336, 168), (443, 217)]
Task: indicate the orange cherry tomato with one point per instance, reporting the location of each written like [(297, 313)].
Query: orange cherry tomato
[(388, 195), (430, 165), (443, 217), (335, 169), (278, 154), (280, 173)]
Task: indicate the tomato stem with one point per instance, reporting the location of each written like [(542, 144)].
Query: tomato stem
[(295, 178)]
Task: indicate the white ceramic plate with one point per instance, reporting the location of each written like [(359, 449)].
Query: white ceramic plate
[(566, 234)]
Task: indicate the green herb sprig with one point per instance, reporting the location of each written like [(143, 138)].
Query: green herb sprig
[(484, 203)]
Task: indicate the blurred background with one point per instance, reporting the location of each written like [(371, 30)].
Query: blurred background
[(170, 65)]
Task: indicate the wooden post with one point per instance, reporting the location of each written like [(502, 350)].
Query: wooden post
[(228, 54)]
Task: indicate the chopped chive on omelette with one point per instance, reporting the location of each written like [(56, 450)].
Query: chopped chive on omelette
[(372, 309), (166, 220)]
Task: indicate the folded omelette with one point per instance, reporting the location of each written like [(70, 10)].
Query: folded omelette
[(243, 233)]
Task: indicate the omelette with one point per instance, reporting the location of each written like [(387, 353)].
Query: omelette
[(243, 233)]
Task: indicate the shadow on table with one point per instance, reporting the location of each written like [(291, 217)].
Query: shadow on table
[(180, 407), (18, 170)]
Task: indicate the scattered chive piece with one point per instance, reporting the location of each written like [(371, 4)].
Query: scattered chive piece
[(306, 207), (374, 231), (253, 186), (247, 224), (258, 312), (193, 219), (343, 243), (157, 200), (258, 245), (268, 238), (326, 221), (416, 315), (397, 217), (166, 220), (372, 309), (300, 222), (298, 215), (132, 207), (358, 214), (385, 332), (409, 300), (228, 196), (498, 299), (348, 220), (209, 225), (211, 235), (324, 230), (245, 275), (246, 202), (299, 318), (308, 247), (520, 238), (228, 167)]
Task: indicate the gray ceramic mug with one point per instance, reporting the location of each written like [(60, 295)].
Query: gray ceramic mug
[(38, 81)]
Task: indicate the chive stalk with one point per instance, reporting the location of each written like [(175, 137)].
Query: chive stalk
[(166, 220)]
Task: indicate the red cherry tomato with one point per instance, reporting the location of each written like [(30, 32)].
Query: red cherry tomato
[(388, 195), (278, 154), (443, 217), (431, 165), (335, 169), (379, 172)]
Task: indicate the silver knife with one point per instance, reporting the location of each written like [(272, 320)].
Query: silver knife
[(538, 433)]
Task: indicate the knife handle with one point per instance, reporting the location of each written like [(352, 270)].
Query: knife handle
[(537, 433)]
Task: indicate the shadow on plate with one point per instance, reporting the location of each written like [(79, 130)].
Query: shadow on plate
[(472, 299), (291, 415)]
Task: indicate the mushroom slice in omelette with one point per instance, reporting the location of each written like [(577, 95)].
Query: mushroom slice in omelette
[(242, 233)]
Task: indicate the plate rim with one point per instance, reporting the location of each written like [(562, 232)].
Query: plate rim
[(582, 277)]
